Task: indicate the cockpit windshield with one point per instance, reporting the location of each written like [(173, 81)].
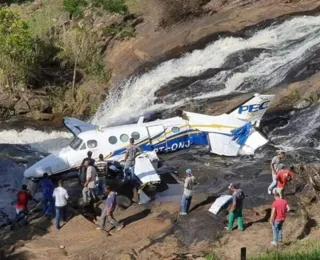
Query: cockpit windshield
[(75, 144)]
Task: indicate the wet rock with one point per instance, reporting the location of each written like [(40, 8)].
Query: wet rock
[(307, 195), (303, 104), (36, 115)]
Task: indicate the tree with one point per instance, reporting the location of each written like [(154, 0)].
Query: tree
[(17, 49)]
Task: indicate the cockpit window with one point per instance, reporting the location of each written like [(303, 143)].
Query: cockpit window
[(92, 144), (75, 144), (83, 147)]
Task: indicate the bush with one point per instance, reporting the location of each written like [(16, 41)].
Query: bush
[(17, 49), (74, 7), (113, 6)]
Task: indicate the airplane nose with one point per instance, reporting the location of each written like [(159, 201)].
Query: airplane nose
[(51, 164)]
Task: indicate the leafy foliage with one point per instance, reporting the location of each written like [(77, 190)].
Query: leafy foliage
[(17, 49), (74, 7)]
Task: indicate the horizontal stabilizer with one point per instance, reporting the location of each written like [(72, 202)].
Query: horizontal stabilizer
[(77, 126), (254, 108)]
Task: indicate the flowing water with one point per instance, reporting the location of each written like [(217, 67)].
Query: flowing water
[(229, 65)]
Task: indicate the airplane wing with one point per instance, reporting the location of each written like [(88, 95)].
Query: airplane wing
[(76, 126)]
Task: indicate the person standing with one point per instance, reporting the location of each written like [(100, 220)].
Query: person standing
[(279, 211), (61, 196), (129, 159), (89, 159), (235, 212), (102, 171), (109, 209), (274, 165), (23, 198), (46, 186), (189, 182), (283, 177), (89, 185)]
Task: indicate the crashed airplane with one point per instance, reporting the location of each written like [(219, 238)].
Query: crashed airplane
[(229, 134)]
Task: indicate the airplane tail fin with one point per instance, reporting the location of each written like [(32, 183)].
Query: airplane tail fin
[(253, 109)]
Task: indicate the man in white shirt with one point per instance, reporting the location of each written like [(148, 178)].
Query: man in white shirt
[(61, 196), (89, 185)]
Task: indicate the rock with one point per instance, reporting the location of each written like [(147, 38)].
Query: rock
[(19, 244), (302, 104), (62, 246), (36, 115), (126, 257), (21, 107), (307, 195), (296, 225)]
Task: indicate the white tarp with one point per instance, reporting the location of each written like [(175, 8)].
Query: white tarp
[(144, 169), (219, 203)]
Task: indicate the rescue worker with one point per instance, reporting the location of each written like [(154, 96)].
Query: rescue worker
[(274, 165), (235, 212), (102, 172), (108, 210), (46, 186), (189, 182), (129, 159), (23, 198)]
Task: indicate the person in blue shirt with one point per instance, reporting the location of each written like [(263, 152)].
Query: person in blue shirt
[(108, 210), (46, 186)]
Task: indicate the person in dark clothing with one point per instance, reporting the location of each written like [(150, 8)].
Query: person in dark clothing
[(235, 211), (47, 187), (102, 170), (23, 198), (89, 158)]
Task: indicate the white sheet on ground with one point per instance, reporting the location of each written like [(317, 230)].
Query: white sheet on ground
[(219, 203), (223, 144), (144, 170)]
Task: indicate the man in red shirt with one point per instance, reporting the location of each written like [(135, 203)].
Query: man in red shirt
[(23, 198), (283, 177), (279, 211)]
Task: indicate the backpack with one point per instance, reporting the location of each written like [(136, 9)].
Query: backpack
[(241, 196)]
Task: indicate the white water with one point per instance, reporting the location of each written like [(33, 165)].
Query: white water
[(288, 44), (37, 140)]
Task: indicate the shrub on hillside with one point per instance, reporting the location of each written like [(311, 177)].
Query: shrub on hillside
[(174, 11), (113, 6), (74, 7), (17, 49)]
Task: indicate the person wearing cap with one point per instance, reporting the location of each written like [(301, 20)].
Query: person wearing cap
[(275, 167), (279, 211), (189, 182), (283, 177), (235, 212)]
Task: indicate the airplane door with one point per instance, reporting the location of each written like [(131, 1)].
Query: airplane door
[(157, 137)]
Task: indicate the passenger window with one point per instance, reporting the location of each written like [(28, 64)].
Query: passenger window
[(83, 147), (92, 144), (135, 135), (175, 129), (124, 138), (113, 140)]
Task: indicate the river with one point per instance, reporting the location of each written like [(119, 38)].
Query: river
[(260, 60)]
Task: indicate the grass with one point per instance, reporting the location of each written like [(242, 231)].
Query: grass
[(134, 6), (42, 19), (307, 250)]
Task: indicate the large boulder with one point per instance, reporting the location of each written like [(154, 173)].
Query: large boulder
[(21, 107), (307, 194)]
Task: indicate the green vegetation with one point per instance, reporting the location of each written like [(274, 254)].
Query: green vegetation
[(122, 30), (17, 50), (76, 7), (307, 250)]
